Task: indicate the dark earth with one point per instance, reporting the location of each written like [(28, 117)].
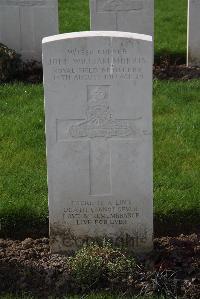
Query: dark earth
[(176, 72), (172, 269)]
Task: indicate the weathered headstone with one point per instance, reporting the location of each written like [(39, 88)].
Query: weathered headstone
[(98, 105), (193, 47), (23, 24), (123, 15)]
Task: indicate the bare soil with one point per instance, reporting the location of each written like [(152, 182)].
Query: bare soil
[(172, 269), (175, 72)]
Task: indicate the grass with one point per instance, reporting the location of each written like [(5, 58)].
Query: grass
[(176, 153), (74, 15), (171, 28), (22, 157), (23, 187), (170, 24)]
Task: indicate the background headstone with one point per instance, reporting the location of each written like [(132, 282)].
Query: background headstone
[(122, 15), (98, 105), (193, 47), (23, 24)]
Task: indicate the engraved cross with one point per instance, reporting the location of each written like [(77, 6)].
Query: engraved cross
[(98, 128), (117, 6), (25, 20)]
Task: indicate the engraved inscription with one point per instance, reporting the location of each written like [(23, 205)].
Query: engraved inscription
[(118, 5), (102, 212), (99, 120), (79, 64)]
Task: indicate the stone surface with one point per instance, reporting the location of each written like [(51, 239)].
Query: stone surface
[(98, 105), (193, 47), (123, 15), (23, 24)]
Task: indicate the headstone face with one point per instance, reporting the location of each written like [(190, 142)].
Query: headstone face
[(98, 106), (193, 48), (123, 15), (23, 24)]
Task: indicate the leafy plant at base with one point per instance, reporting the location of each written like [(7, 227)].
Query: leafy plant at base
[(121, 268), (96, 265), (10, 64)]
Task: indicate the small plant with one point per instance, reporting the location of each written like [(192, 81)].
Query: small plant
[(97, 265), (120, 268), (86, 267), (10, 64)]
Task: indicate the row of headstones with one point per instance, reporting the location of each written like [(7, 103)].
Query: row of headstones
[(23, 23), (98, 107)]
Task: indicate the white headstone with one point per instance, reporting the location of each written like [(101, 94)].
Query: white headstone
[(98, 105), (193, 48), (123, 15), (23, 24)]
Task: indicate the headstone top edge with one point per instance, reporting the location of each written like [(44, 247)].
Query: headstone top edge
[(83, 34), (23, 1), (29, 3)]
